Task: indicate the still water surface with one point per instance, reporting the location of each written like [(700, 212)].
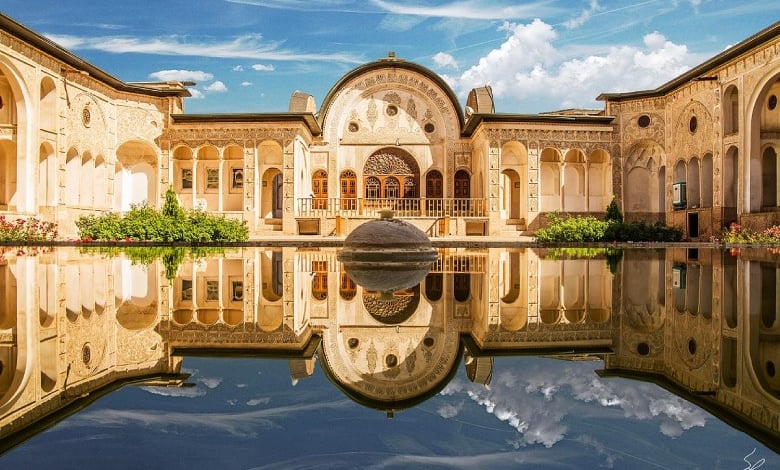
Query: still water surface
[(501, 358)]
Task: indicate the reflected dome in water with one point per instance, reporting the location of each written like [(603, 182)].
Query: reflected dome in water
[(387, 254)]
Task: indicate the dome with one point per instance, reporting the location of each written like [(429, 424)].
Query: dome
[(387, 254), (386, 234)]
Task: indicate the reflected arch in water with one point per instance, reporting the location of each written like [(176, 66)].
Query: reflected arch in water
[(513, 311), (182, 316), (8, 288), (272, 275), (762, 325), (270, 317), (394, 308), (207, 316), (643, 307), (136, 289), (15, 355), (48, 361), (389, 368)]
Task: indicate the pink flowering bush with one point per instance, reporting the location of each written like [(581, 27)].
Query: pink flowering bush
[(739, 234), (26, 230)]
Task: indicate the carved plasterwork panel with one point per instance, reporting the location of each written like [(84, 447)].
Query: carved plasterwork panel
[(138, 123), (221, 137), (687, 143), (87, 124), (137, 347), (391, 103)]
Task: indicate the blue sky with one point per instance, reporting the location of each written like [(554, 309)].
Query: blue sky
[(538, 55)]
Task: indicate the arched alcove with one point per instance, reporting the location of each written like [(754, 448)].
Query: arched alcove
[(693, 183), (86, 173), (135, 178), (550, 180), (760, 174), (233, 178), (731, 110), (136, 289), (48, 105), (642, 181), (707, 174), (47, 175)]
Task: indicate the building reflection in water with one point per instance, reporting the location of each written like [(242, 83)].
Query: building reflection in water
[(700, 323)]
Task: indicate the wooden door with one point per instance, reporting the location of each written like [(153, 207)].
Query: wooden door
[(348, 190), (462, 191), (319, 189)]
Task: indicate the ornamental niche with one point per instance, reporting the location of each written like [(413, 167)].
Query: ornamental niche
[(390, 162)]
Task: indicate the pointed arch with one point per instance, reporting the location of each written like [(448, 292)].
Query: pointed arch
[(395, 171), (643, 186), (693, 183), (136, 175), (731, 110), (730, 171), (48, 105), (599, 176), (86, 173), (760, 177), (72, 177), (550, 180), (47, 175), (573, 186)]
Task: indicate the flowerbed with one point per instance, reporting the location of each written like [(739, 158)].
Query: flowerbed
[(26, 230), (738, 234)]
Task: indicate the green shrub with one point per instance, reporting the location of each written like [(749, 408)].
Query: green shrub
[(106, 226), (172, 256), (642, 232), (590, 229), (611, 255), (572, 229), (171, 224), (613, 212)]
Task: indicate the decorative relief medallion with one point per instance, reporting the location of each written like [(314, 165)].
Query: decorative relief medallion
[(86, 116)]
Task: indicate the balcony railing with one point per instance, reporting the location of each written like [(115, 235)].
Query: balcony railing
[(405, 207)]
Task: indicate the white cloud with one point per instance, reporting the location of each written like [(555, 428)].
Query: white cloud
[(527, 68), (263, 67), (476, 10), (238, 68), (584, 16), (400, 23), (442, 59), (450, 410), (181, 75), (216, 87), (197, 94), (185, 392), (258, 401), (250, 46), (246, 83), (210, 382), (236, 423), (539, 402)]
